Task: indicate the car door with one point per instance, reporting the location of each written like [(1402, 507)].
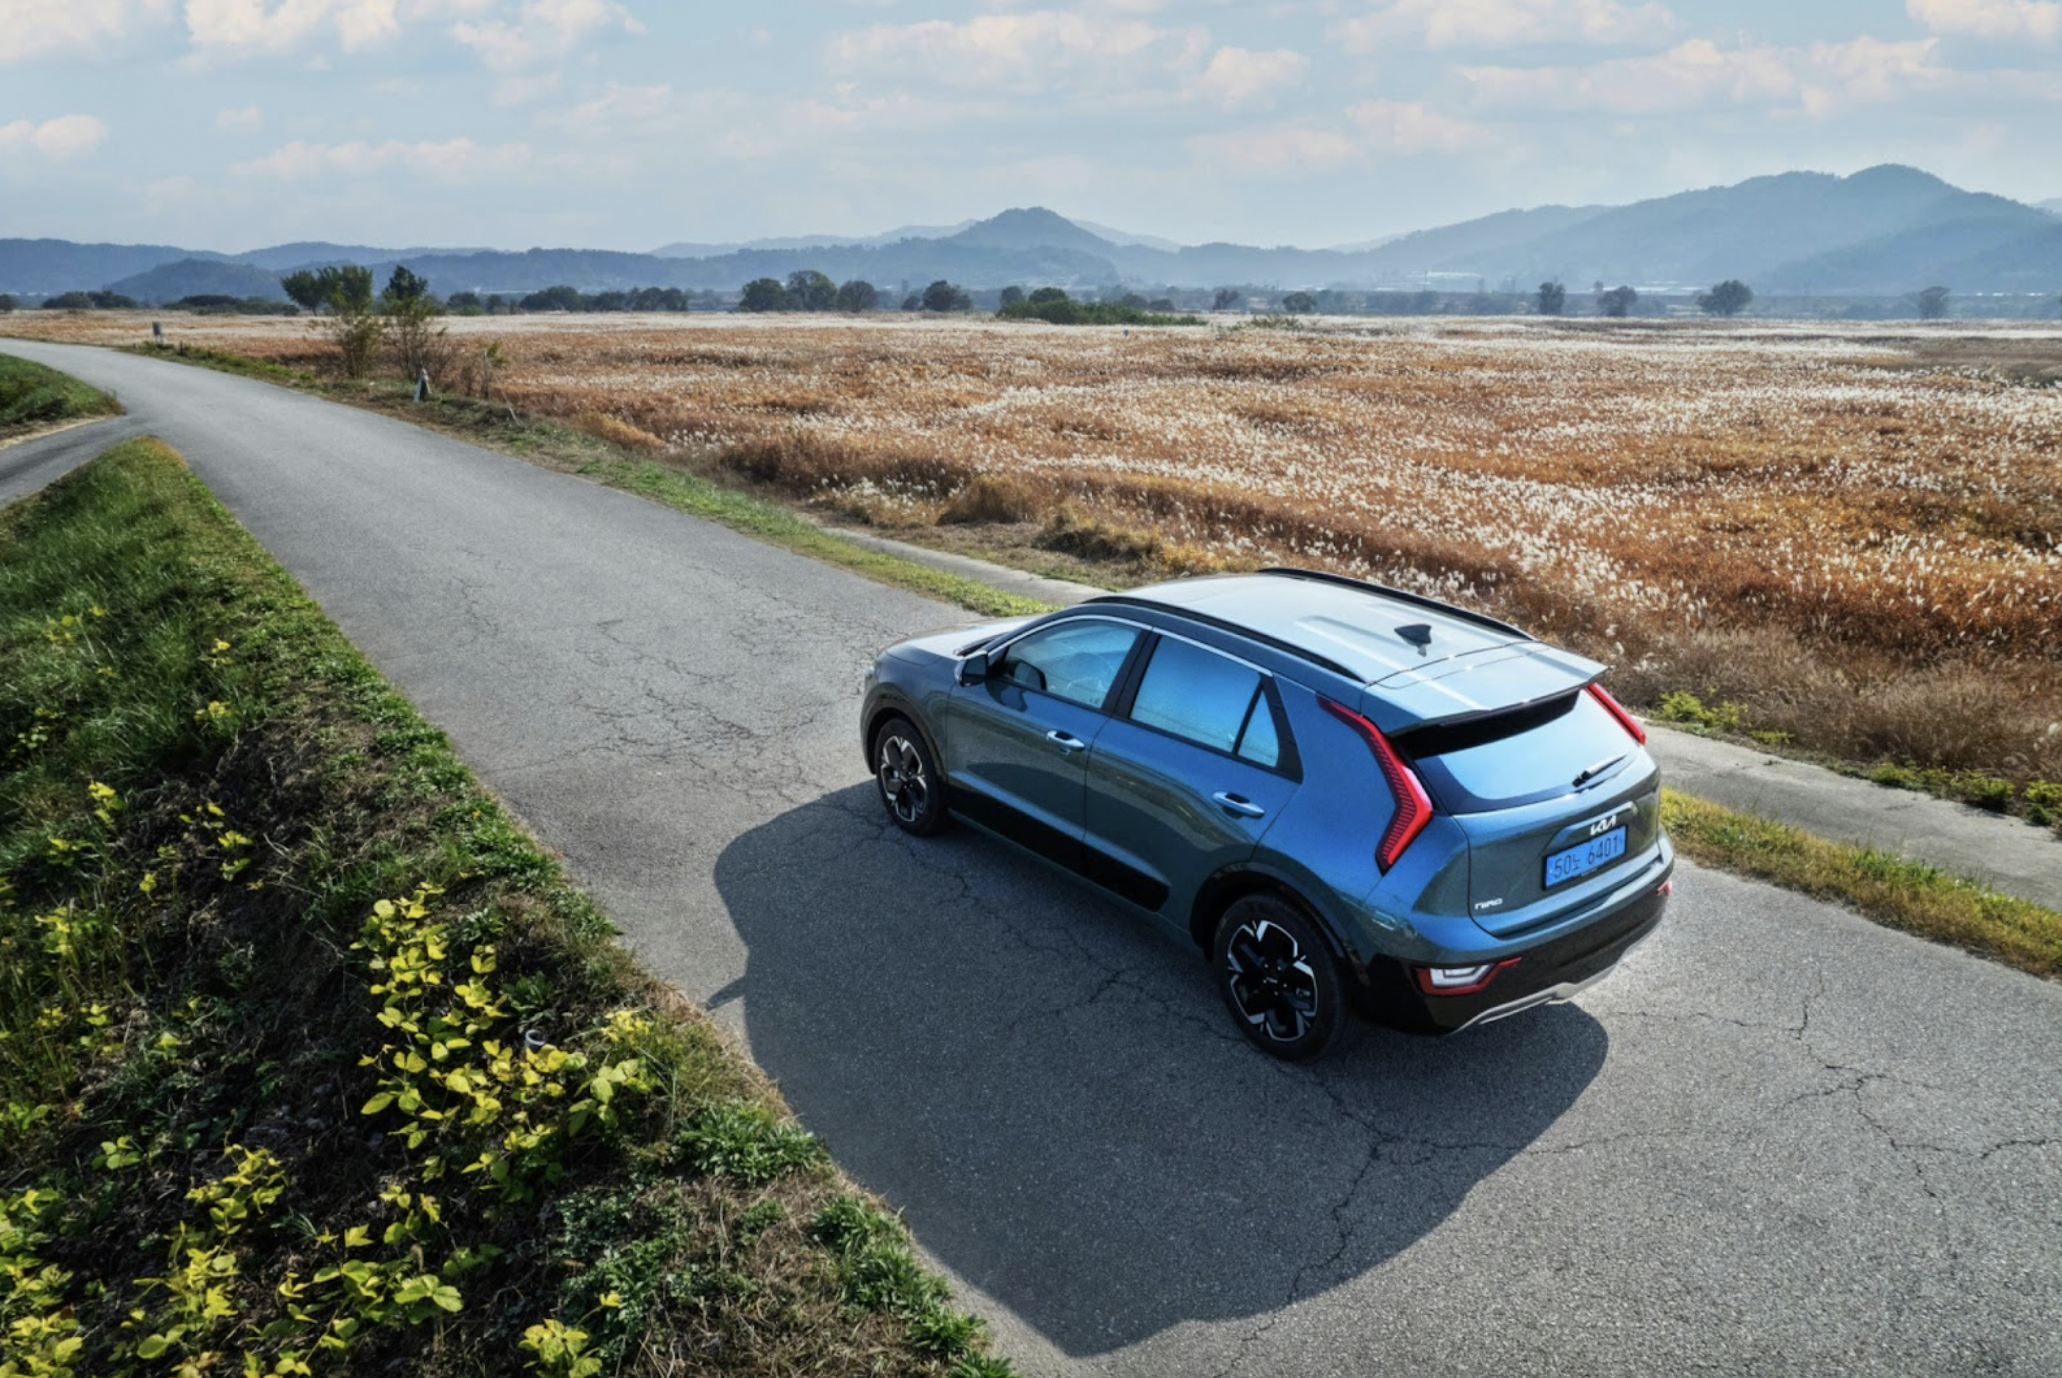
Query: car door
[(1187, 776), (1016, 744)]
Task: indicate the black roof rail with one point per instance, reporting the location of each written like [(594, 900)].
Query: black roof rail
[(1233, 628), (1405, 595)]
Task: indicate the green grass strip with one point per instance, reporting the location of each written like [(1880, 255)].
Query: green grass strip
[(33, 396), (1892, 890)]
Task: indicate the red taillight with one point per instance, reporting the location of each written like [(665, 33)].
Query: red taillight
[(1460, 980), (1617, 710), (1413, 805)]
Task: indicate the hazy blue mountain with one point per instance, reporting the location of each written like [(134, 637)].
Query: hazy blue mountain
[(45, 267), (1978, 254), (1485, 246), (1032, 227), (1887, 230), (192, 277), (2053, 207), (1763, 230), (285, 258)]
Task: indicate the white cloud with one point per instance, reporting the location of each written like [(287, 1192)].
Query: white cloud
[(1700, 73), (542, 31), (66, 137), (1411, 127), (448, 161), (250, 117), (1507, 23), (1038, 50), (32, 28), (253, 26), (1237, 77), (2038, 21)]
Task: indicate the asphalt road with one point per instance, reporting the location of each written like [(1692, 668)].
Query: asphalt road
[(1779, 1140)]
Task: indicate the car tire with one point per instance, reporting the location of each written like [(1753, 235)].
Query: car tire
[(907, 776), (1278, 978)]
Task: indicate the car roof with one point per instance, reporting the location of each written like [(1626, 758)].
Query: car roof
[(1365, 632)]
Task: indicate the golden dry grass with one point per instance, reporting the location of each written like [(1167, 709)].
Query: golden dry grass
[(1854, 533)]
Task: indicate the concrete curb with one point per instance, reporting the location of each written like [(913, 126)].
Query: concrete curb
[(2008, 854)]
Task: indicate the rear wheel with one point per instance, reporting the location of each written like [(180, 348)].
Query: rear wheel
[(908, 778), (1278, 978)]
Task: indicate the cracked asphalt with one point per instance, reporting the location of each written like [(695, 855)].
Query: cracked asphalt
[(1779, 1140)]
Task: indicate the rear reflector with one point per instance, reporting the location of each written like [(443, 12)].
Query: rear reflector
[(1413, 805), (1617, 710), (1459, 980)]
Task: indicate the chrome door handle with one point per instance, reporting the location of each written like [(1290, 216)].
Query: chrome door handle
[(1066, 741), (1239, 804)]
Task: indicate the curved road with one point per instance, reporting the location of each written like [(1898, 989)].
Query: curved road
[(1779, 1140)]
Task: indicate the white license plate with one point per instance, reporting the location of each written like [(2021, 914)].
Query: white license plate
[(1584, 857)]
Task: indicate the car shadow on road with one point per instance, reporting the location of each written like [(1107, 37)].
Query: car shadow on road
[(1048, 1087)]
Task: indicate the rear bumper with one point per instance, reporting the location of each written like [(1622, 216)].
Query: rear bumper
[(1554, 971)]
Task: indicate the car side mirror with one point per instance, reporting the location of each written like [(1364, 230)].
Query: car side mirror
[(973, 669)]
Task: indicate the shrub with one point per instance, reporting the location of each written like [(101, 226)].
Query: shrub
[(991, 498)]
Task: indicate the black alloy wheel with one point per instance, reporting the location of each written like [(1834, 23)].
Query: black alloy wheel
[(908, 777), (1278, 978)]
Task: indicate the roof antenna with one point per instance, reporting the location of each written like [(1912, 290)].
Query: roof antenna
[(1418, 634)]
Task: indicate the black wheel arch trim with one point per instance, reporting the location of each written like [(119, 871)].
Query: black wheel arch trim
[(892, 703), (1242, 878)]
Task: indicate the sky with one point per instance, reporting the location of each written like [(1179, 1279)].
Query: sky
[(623, 124)]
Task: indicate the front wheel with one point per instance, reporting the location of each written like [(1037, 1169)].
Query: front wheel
[(908, 778), (1278, 978)]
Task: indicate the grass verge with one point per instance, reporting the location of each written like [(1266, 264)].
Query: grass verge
[(555, 445), (311, 1061), (1892, 890), (33, 397)]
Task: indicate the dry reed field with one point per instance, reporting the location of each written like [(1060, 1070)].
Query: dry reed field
[(1851, 535)]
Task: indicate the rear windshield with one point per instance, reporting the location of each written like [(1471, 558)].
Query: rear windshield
[(1521, 757)]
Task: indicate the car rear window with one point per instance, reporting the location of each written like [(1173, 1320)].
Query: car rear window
[(1520, 757), (1208, 699)]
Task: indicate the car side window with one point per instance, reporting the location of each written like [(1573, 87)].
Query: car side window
[(1209, 699), (1077, 660)]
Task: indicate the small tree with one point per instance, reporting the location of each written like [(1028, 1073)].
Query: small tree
[(945, 296), (1617, 302), (1933, 304), (6, 303), (913, 302), (1010, 296), (764, 294), (1227, 299), (304, 289), (1553, 298), (1299, 303), (858, 295), (352, 325), (809, 290), (1727, 299), (415, 342)]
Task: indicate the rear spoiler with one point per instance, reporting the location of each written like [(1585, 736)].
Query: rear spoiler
[(1477, 685)]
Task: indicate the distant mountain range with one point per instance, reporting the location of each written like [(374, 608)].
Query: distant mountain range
[(1884, 231)]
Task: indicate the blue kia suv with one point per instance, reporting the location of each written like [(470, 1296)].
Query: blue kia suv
[(1349, 796)]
